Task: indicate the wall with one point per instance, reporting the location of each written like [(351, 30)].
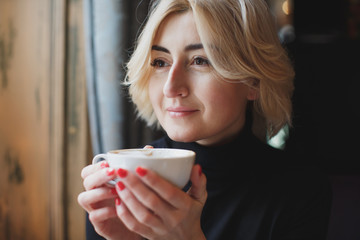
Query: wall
[(43, 124)]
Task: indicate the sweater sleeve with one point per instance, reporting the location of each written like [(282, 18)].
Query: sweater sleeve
[(91, 234)]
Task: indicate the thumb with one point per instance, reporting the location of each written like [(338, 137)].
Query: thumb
[(198, 187)]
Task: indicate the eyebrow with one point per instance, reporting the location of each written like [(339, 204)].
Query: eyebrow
[(194, 47), (190, 47), (159, 48)]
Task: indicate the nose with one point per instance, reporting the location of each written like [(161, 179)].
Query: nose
[(176, 84)]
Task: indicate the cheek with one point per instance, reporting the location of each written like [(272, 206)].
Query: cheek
[(228, 102), (215, 97), (155, 92)]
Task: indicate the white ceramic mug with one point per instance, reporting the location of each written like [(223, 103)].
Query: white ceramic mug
[(172, 164)]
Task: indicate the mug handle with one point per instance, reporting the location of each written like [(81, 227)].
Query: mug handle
[(99, 158)]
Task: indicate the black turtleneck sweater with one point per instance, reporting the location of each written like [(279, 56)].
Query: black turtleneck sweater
[(255, 192)]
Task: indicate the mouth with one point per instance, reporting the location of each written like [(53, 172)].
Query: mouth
[(178, 112)]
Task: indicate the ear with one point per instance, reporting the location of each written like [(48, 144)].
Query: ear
[(253, 89), (253, 94)]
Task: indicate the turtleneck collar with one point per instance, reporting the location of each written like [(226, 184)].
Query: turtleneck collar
[(237, 152)]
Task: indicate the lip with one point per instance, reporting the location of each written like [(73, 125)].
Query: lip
[(177, 112)]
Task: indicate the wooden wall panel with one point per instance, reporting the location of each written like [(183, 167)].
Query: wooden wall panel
[(57, 91), (76, 119), (24, 120), (43, 127)]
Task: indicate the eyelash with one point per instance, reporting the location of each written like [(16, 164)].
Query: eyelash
[(158, 63), (203, 60)]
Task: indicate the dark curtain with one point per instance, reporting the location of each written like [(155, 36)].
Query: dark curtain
[(111, 27)]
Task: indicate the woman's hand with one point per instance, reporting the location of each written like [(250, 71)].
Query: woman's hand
[(99, 201), (155, 209)]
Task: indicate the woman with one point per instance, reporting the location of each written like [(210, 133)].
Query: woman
[(214, 76)]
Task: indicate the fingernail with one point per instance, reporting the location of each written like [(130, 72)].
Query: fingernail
[(117, 201), (113, 191), (120, 185), (122, 172), (200, 170), (104, 164), (110, 171), (141, 171)]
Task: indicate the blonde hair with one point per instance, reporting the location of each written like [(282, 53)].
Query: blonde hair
[(240, 40)]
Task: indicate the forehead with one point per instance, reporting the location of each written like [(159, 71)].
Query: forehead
[(177, 28)]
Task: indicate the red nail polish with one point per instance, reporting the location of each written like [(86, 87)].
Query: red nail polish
[(113, 191), (122, 172), (200, 170), (117, 201), (104, 164), (110, 171), (120, 185), (141, 171)]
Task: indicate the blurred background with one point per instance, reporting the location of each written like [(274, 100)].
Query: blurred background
[(61, 102)]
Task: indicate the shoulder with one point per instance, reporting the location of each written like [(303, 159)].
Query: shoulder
[(288, 173), (266, 154), (303, 179), (303, 191)]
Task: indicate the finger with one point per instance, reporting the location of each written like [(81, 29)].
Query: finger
[(90, 169), (137, 208), (99, 178), (148, 147), (166, 190), (102, 214), (143, 193), (167, 213), (89, 199), (198, 186), (128, 219)]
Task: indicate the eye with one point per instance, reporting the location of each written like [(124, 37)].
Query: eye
[(158, 63), (201, 61)]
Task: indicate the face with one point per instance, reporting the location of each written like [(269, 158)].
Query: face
[(191, 102)]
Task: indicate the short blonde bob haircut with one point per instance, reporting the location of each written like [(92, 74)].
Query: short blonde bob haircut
[(240, 40)]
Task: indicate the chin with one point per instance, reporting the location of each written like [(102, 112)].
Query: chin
[(182, 137)]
